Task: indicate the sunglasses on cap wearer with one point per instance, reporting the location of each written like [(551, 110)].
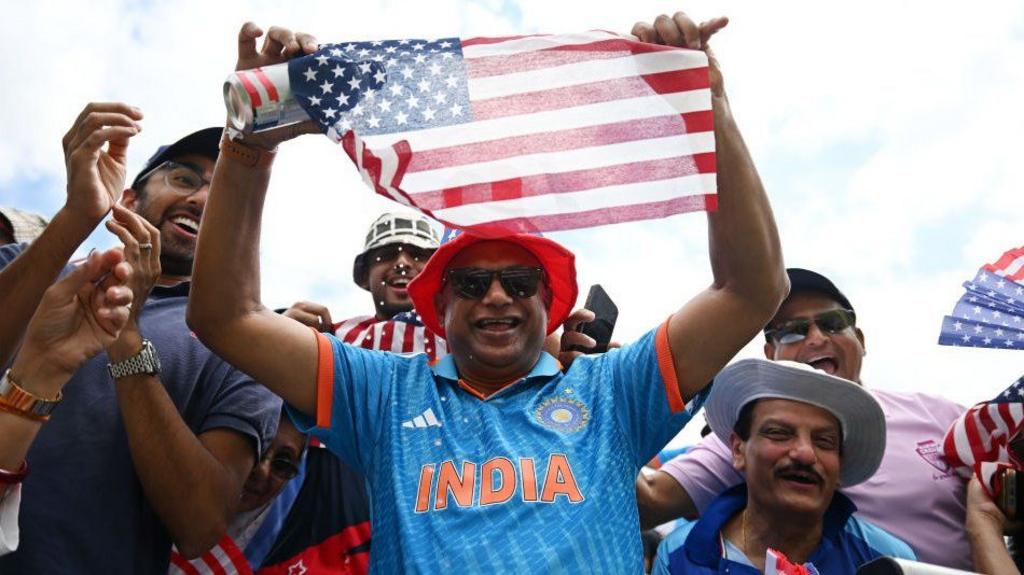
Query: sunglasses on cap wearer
[(389, 253), (795, 330), (517, 281)]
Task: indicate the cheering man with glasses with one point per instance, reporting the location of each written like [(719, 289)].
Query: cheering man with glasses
[(915, 494), (155, 436), (494, 438)]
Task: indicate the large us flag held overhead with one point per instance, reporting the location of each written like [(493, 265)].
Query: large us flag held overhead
[(522, 134)]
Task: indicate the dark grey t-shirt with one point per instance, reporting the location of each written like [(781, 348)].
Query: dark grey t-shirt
[(83, 509)]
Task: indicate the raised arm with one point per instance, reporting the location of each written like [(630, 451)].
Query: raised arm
[(224, 306), (984, 525), (77, 317), (746, 258), (94, 155)]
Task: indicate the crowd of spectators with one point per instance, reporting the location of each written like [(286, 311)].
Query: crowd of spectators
[(156, 417)]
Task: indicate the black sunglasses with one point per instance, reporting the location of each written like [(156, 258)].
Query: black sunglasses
[(517, 281), (792, 331)]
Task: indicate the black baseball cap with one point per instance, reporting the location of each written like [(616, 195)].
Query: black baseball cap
[(205, 142), (802, 280)]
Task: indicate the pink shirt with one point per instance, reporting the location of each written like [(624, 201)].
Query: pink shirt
[(915, 494)]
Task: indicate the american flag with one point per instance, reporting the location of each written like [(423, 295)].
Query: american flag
[(224, 559), (775, 563), (990, 313), (981, 435), (520, 134), (404, 333), (1010, 265)]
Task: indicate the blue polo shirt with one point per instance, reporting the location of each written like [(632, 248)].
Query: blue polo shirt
[(538, 477), (846, 541)]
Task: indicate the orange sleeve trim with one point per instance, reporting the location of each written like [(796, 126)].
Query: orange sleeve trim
[(667, 366), (324, 380)]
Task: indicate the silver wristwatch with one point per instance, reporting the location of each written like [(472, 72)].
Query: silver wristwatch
[(146, 361)]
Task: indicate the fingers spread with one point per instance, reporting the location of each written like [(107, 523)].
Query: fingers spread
[(709, 28), (247, 40)]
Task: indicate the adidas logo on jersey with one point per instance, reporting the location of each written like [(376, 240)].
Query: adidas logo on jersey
[(425, 419)]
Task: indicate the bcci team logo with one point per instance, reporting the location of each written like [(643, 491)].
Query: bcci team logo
[(563, 414)]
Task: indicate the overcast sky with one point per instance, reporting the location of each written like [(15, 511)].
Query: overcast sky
[(887, 135)]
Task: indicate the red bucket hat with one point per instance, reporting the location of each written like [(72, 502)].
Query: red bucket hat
[(559, 266)]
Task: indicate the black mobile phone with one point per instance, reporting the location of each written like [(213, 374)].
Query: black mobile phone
[(1011, 494), (605, 312)]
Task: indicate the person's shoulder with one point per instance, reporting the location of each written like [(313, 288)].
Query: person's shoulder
[(10, 251), (675, 540), (877, 540), (930, 405)]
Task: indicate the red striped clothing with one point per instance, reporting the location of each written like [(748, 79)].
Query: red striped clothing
[(391, 335)]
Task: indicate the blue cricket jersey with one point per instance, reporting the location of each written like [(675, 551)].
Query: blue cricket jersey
[(537, 477)]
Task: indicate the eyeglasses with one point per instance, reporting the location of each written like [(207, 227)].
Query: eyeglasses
[(180, 177), (473, 283), (793, 331), (281, 466), (389, 253)]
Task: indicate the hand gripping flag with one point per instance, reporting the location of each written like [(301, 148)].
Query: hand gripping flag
[(977, 443), (521, 134), (991, 311)]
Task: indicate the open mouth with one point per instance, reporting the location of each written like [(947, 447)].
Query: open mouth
[(828, 364), (186, 225), (400, 283), (497, 325)]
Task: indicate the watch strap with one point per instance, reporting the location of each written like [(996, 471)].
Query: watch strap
[(245, 154), (17, 400), (144, 362)]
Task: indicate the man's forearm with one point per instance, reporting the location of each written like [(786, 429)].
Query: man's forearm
[(193, 493), (224, 305), (988, 549), (24, 280)]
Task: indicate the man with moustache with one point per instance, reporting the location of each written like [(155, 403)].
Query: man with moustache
[(797, 434), (915, 494), (154, 438), (494, 437)]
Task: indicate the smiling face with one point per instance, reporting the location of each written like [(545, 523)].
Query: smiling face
[(497, 338), (390, 269), (838, 354), (174, 213), (791, 457)]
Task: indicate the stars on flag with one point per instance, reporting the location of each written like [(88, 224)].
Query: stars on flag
[(336, 83)]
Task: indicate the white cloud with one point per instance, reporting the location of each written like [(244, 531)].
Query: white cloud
[(887, 134)]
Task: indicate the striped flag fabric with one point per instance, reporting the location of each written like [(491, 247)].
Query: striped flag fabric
[(225, 558), (404, 333), (1010, 265), (775, 563), (982, 435), (520, 134)]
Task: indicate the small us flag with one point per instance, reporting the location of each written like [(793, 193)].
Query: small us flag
[(981, 436), (991, 311), (520, 134)]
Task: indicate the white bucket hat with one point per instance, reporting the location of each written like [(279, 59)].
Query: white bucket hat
[(394, 228), (860, 416)]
